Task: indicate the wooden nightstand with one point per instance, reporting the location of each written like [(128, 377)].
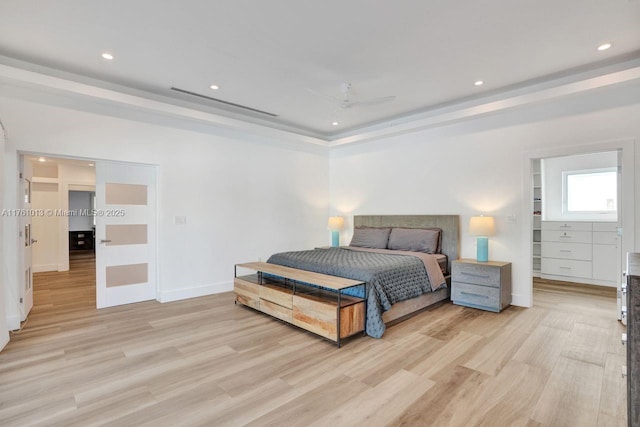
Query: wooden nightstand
[(483, 285)]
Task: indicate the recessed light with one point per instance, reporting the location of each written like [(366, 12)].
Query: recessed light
[(91, 164), (334, 123), (478, 83), (42, 159), (604, 46), (214, 87), (107, 55)]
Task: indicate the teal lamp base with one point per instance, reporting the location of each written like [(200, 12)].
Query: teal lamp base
[(483, 249), (335, 238)]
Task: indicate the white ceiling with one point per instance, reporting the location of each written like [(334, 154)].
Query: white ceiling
[(273, 55)]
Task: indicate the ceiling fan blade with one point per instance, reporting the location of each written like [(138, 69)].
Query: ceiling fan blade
[(327, 97), (372, 101)]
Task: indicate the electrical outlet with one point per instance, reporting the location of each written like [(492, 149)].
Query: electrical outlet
[(512, 219)]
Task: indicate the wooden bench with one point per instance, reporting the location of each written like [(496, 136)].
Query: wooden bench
[(287, 294)]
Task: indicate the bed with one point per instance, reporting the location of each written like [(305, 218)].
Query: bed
[(399, 282)]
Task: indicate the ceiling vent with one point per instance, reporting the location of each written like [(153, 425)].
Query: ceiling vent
[(244, 107)]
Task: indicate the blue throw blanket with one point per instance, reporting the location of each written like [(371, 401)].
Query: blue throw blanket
[(390, 278)]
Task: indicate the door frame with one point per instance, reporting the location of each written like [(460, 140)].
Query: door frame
[(25, 240), (17, 262), (626, 214), (4, 326)]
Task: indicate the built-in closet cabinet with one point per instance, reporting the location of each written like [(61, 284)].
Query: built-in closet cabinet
[(606, 251), (577, 251)]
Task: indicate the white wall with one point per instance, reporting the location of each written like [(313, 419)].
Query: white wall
[(479, 166), (552, 184), (80, 201), (244, 198), (45, 229), (4, 334), (51, 253)]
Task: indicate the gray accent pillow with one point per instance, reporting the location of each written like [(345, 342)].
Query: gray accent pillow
[(366, 237), (415, 240)]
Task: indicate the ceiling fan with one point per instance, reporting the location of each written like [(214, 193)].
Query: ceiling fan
[(347, 102)]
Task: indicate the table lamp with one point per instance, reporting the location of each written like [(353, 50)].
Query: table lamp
[(482, 227), (335, 225)]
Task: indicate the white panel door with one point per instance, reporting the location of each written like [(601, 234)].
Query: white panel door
[(125, 234), (27, 240)]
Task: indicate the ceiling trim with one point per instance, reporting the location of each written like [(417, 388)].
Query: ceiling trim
[(31, 79), (534, 93), (541, 91)]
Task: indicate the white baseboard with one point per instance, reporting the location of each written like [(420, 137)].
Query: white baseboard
[(194, 292), (4, 340), (13, 322), (586, 281), (520, 300), (44, 267)]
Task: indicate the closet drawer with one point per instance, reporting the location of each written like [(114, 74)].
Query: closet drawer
[(566, 236), (605, 226), (580, 251), (605, 238), (566, 267), (567, 226)]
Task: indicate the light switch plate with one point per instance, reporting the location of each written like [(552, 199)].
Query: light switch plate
[(180, 220)]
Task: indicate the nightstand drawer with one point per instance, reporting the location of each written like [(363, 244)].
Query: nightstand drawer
[(476, 274), (474, 295)]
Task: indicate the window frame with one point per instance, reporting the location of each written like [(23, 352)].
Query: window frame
[(565, 191)]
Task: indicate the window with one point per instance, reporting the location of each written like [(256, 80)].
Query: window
[(590, 191)]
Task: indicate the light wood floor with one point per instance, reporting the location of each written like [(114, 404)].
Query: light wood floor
[(207, 362)]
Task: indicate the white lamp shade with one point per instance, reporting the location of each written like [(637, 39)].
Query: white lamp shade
[(335, 223), (481, 226)]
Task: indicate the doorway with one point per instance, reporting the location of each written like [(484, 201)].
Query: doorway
[(622, 225), (575, 218), (63, 257), (82, 196)]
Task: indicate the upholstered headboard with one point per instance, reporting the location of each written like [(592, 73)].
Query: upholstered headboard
[(450, 225)]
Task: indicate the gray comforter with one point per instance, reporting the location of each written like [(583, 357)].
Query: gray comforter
[(389, 278)]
